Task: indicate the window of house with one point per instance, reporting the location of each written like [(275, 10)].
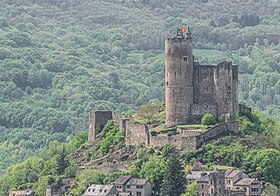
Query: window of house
[(220, 190), (212, 191), (211, 181), (128, 186), (202, 186), (255, 189), (185, 58), (202, 194), (139, 187), (220, 182), (138, 193)]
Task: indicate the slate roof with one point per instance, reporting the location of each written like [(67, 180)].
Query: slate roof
[(245, 181), (195, 175), (122, 180), (136, 181), (203, 179), (98, 190), (231, 173)]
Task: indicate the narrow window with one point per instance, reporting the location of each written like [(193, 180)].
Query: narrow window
[(185, 58)]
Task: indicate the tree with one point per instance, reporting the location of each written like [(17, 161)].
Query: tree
[(208, 119), (62, 163), (191, 189), (154, 169), (148, 112), (173, 183)]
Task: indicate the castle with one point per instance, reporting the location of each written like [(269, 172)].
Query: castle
[(192, 90)]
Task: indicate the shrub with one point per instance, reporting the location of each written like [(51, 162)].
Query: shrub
[(208, 119), (153, 133)]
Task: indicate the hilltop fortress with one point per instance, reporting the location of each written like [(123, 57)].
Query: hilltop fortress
[(192, 90)]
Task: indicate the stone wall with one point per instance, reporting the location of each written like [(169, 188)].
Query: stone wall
[(180, 143), (137, 134), (97, 121), (216, 131), (198, 110)]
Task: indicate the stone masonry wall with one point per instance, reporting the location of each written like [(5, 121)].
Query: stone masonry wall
[(198, 110), (137, 134), (180, 143), (97, 121), (218, 130)]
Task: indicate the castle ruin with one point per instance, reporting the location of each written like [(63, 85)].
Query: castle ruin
[(193, 90)]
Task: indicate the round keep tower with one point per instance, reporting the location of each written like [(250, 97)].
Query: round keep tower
[(179, 78)]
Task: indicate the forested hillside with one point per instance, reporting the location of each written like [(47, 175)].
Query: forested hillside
[(61, 59)]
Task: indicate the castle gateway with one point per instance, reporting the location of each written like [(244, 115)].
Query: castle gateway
[(193, 89)]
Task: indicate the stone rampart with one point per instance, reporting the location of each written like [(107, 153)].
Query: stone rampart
[(97, 121), (216, 131), (180, 143), (137, 134)]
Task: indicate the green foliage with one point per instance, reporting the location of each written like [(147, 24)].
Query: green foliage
[(208, 119), (191, 189), (173, 182), (40, 171), (266, 162), (113, 137), (148, 112)]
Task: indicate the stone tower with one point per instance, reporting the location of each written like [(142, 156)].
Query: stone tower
[(179, 78)]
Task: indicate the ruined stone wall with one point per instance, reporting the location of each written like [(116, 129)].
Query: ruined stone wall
[(224, 87), (137, 134), (217, 131), (188, 133), (179, 142), (215, 90), (198, 110), (235, 89), (97, 121), (204, 84)]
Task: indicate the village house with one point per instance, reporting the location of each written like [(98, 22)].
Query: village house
[(133, 186), (58, 188), (252, 186), (101, 190), (238, 183), (212, 183), (232, 176), (232, 182)]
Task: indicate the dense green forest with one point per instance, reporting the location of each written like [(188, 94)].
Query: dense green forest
[(61, 59)]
